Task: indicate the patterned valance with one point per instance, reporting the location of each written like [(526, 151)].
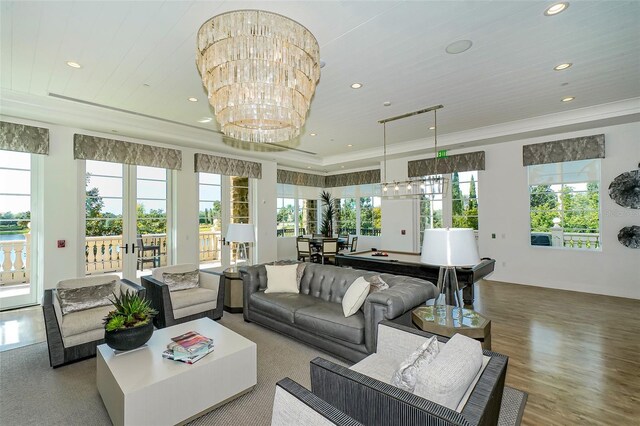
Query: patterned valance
[(454, 163), (87, 147), (21, 138), (354, 178), (300, 179), (227, 166), (583, 148)]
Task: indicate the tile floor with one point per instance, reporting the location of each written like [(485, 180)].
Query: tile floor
[(21, 327)]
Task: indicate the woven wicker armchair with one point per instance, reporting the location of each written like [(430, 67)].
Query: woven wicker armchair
[(373, 402)]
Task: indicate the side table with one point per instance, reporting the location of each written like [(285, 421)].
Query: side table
[(449, 320), (233, 302)]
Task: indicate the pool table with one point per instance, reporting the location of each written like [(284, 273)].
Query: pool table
[(404, 263)]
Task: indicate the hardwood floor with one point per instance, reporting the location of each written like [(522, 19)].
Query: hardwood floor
[(577, 355)]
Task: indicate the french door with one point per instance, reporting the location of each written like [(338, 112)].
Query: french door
[(127, 218), (18, 230), (222, 200)]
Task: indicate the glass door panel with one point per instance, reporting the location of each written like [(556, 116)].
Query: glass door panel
[(17, 288), (239, 212), (210, 220)]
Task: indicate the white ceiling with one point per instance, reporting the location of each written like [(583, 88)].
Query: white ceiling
[(395, 49)]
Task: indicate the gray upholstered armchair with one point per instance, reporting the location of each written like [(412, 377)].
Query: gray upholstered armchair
[(176, 307), (294, 405), (364, 393), (75, 335)]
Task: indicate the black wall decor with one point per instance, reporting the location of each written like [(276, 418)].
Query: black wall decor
[(629, 236), (625, 189)]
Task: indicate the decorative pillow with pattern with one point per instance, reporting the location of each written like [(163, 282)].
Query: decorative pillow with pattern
[(178, 281), (377, 284), (406, 376), (300, 273), (83, 298)]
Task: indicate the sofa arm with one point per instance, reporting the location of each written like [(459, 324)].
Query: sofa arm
[(158, 293), (52, 329), (294, 405), (127, 285), (372, 402), (214, 280), (253, 279), (392, 303)]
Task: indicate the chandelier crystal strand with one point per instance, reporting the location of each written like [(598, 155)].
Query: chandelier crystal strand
[(260, 70)]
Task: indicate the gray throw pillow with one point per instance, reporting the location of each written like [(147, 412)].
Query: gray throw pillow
[(83, 298), (406, 376), (178, 281), (377, 284), (300, 273)]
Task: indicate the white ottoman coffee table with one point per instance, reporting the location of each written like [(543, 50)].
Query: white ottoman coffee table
[(143, 388)]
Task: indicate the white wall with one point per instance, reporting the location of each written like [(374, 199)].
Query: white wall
[(504, 210), (62, 194)]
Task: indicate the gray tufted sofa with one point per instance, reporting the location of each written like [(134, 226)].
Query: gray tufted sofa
[(315, 316)]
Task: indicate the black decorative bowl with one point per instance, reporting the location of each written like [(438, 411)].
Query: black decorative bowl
[(130, 338)]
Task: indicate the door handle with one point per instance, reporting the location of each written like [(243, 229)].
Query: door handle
[(133, 248), (126, 248), (224, 241)]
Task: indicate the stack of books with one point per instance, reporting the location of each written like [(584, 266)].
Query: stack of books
[(188, 348)]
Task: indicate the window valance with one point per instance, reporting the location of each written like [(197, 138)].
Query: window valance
[(354, 178), (87, 147), (23, 138), (582, 148), (227, 166), (454, 163), (300, 179)]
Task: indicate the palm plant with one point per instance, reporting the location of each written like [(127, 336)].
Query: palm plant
[(131, 310), (328, 201)]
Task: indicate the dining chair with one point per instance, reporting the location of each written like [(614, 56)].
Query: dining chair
[(329, 250), (304, 250), (344, 244), (354, 244), (142, 253)]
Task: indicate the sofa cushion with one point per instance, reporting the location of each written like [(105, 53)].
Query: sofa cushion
[(327, 318), (83, 298), (193, 296), (378, 367), (446, 380), (354, 296), (281, 306), (178, 281), (282, 279)]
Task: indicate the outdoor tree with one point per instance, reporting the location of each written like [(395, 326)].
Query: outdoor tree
[(544, 208)]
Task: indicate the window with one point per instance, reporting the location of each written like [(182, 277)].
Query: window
[(464, 200), (286, 217), (370, 217), (564, 201), (239, 199), (430, 213), (307, 216), (346, 217)]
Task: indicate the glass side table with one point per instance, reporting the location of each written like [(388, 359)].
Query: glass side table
[(446, 320)]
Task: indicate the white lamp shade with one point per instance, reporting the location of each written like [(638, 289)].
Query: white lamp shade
[(240, 233), (450, 247)]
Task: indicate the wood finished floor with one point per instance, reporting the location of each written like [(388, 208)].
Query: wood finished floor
[(577, 355)]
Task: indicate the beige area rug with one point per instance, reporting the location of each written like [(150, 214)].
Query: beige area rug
[(32, 393)]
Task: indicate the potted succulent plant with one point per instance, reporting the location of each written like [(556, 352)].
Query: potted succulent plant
[(130, 324)]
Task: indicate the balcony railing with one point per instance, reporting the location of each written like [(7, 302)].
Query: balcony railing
[(102, 254)]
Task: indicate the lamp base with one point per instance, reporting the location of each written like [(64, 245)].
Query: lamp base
[(448, 286)]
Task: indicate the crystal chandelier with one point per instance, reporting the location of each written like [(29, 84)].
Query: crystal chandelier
[(260, 70), (428, 185)]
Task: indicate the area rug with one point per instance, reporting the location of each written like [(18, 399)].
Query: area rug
[(33, 393)]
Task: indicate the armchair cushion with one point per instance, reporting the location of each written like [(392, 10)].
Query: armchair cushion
[(178, 281), (446, 380), (83, 298), (81, 326), (192, 301)]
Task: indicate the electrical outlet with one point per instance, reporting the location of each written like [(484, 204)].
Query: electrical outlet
[(493, 236), (61, 243), (403, 232)]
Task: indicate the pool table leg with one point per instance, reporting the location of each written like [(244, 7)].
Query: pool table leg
[(468, 294)]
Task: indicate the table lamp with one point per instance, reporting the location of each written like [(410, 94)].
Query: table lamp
[(241, 234), (448, 248)]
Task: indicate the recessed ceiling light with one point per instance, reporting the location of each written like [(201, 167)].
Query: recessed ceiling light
[(192, 99), (556, 8), (312, 134), (432, 128), (562, 66), (350, 145), (342, 167), (74, 64), (568, 99), (205, 120), (308, 167), (387, 103), (356, 85), (459, 47)]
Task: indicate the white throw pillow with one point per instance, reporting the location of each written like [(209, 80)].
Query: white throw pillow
[(447, 378), (282, 279), (354, 296)]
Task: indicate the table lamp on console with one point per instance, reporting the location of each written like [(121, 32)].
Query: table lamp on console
[(241, 234), (448, 248)]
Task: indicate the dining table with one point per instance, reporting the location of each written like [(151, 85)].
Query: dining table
[(316, 242)]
